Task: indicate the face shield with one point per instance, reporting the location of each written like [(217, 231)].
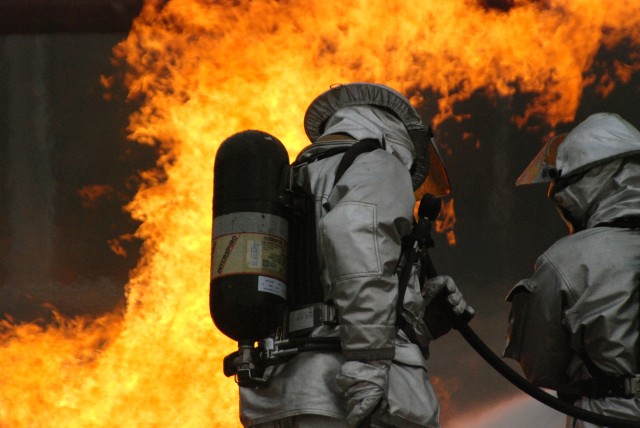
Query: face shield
[(436, 181), (542, 169)]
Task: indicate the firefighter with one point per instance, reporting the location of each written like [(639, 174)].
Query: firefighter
[(362, 210), (573, 325)]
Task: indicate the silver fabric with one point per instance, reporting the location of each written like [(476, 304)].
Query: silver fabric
[(602, 137), (364, 384), (362, 122), (584, 296), (360, 223), (604, 194)]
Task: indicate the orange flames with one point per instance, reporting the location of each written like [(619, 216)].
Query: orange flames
[(204, 70), (446, 221)]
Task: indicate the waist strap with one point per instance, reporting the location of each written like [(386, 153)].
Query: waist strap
[(600, 387), (624, 222)]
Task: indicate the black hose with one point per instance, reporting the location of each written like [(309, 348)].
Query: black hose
[(516, 379), (460, 323)]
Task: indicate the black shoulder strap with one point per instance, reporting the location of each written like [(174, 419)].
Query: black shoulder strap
[(362, 146), (325, 154), (304, 270)]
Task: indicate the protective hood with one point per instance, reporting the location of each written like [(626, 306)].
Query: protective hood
[(604, 194), (363, 122), (367, 110), (601, 138)]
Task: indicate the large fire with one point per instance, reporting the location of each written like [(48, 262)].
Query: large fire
[(206, 69)]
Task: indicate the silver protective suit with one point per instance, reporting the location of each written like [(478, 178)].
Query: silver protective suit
[(583, 300), (360, 222)]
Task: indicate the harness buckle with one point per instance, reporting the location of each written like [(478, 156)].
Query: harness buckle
[(305, 319), (632, 386)]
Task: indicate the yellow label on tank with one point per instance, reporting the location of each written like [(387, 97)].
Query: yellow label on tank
[(249, 253)]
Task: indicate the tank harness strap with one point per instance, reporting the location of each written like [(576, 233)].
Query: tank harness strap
[(362, 146), (332, 138), (307, 291), (303, 266)]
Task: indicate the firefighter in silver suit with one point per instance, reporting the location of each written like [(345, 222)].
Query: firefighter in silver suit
[(574, 325), (379, 377)]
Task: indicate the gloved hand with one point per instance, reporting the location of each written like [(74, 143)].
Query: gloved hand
[(442, 298), (364, 385)]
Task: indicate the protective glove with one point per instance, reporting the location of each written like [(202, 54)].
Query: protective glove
[(443, 299), (364, 385)]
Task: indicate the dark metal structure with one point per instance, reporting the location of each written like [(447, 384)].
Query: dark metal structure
[(67, 16)]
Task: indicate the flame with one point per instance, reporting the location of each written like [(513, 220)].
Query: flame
[(116, 244), (92, 194), (446, 221), (203, 70)]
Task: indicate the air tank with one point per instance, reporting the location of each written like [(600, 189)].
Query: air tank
[(248, 287)]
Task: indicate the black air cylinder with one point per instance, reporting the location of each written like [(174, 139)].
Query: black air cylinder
[(250, 232)]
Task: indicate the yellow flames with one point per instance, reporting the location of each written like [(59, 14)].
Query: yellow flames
[(204, 70)]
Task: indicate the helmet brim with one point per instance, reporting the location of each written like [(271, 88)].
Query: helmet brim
[(353, 94)]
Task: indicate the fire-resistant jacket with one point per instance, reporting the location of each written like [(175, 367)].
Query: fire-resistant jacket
[(360, 221), (582, 304)]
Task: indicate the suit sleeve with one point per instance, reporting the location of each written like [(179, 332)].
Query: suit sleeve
[(538, 338), (369, 210)]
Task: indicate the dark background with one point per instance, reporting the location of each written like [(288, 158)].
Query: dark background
[(66, 167), (63, 139)]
